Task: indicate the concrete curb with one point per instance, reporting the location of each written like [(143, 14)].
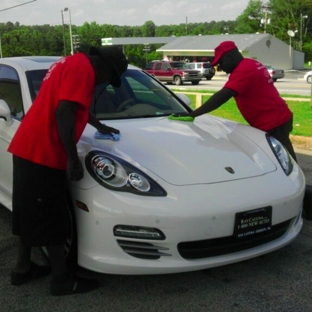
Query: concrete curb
[(301, 142)]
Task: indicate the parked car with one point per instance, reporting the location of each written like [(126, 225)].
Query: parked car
[(173, 72), (275, 73), (307, 76), (206, 69), (169, 196)]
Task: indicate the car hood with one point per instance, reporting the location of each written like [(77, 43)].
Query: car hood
[(208, 150)]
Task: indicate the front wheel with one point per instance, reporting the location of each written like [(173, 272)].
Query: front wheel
[(309, 79), (177, 80), (195, 82)]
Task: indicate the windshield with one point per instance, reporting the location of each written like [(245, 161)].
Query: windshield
[(140, 95)]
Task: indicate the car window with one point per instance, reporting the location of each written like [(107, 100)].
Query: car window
[(149, 66), (158, 66), (34, 79), (10, 90), (139, 96)]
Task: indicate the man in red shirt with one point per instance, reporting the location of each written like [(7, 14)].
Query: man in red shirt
[(45, 156), (254, 92)]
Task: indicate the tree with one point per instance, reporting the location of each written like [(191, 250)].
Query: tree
[(287, 15), (250, 20), (148, 29)]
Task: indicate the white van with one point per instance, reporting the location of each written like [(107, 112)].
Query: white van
[(206, 69)]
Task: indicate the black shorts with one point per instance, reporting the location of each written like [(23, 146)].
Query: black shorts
[(40, 207)]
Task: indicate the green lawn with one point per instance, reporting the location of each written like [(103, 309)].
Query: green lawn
[(301, 109)]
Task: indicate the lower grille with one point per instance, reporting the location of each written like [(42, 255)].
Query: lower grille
[(142, 250), (225, 245)]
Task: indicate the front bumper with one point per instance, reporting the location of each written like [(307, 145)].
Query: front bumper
[(189, 214)]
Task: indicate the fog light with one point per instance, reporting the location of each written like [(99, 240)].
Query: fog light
[(140, 232)]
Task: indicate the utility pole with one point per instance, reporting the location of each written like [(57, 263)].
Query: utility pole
[(70, 32), (186, 25), (265, 21), (64, 40), (301, 27)]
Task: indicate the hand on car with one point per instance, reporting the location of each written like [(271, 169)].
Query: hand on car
[(107, 130), (183, 114)]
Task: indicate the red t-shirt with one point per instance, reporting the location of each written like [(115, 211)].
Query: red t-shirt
[(257, 98), (71, 78)]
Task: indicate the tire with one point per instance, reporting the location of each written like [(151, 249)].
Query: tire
[(274, 79), (309, 79), (208, 77), (195, 82), (70, 246), (307, 203), (177, 80)]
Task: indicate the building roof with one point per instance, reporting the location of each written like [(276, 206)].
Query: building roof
[(136, 40), (208, 43)]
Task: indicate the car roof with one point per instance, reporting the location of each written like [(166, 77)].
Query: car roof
[(35, 62), (30, 62)]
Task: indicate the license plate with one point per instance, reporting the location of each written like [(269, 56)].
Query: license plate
[(253, 222)]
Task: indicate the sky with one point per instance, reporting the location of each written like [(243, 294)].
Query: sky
[(119, 12)]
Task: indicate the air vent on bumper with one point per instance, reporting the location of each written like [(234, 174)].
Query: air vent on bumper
[(143, 250)]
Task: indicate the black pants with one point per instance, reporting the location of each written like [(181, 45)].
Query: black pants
[(40, 215), (281, 133)]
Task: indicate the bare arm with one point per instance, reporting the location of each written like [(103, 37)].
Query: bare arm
[(102, 128), (65, 119), (215, 101)]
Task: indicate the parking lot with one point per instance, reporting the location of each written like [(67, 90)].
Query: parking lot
[(279, 281)]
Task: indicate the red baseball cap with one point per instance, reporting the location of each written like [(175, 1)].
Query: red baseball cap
[(223, 47)]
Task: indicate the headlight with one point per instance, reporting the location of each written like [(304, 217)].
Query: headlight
[(281, 154), (118, 175)]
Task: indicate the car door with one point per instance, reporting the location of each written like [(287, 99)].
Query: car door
[(161, 71), (11, 94)]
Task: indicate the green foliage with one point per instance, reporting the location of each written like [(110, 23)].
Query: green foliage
[(250, 20), (148, 29)]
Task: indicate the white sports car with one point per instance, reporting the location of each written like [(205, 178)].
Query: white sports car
[(168, 196)]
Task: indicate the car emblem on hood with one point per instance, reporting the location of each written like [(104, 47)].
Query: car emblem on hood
[(229, 169)]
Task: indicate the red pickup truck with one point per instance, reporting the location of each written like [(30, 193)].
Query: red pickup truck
[(173, 72)]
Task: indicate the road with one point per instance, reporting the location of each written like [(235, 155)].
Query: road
[(293, 83), (280, 281)]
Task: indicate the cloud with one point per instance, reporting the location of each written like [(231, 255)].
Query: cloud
[(121, 12)]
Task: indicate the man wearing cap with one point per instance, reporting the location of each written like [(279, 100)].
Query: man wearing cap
[(254, 92), (45, 156)]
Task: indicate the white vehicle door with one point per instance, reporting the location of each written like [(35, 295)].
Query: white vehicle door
[(10, 93)]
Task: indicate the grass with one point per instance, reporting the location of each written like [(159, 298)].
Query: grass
[(301, 109)]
